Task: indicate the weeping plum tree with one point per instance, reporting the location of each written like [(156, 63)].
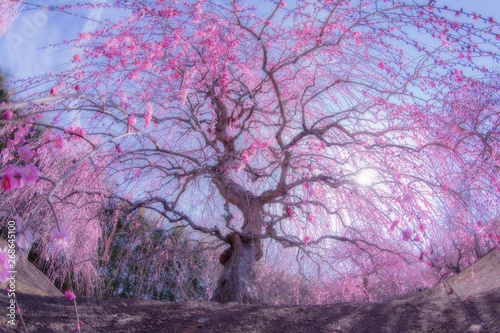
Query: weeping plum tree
[(354, 133)]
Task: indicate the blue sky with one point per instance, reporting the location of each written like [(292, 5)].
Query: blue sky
[(24, 51), (25, 48)]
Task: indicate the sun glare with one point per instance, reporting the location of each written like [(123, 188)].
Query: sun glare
[(366, 177)]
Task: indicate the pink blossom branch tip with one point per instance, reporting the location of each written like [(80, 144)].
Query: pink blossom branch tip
[(69, 295), (16, 177), (8, 114)]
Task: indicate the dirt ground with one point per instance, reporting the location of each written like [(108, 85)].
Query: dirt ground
[(418, 313), (476, 302)]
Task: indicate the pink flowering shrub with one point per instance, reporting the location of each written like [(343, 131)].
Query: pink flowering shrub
[(80, 227), (69, 295)]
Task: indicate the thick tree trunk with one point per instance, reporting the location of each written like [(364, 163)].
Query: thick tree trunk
[(236, 283)]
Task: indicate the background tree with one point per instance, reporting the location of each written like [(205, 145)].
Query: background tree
[(4, 89), (350, 134), (142, 259)]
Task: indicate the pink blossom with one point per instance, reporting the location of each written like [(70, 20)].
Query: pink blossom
[(407, 235), (81, 132), (24, 153), (60, 238), (76, 57), (8, 114), (244, 158), (306, 239), (69, 295), (406, 198), (58, 141), (7, 182), (380, 65), (76, 130), (4, 267), (24, 239), (54, 91), (30, 174), (131, 120), (149, 114), (289, 211), (12, 178)]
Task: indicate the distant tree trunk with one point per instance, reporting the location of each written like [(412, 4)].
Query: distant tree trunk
[(236, 283)]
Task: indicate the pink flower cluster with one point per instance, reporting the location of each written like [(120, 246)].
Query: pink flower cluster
[(69, 295), (24, 153), (16, 177), (75, 130), (58, 141), (406, 235), (8, 115), (131, 120), (246, 154)]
